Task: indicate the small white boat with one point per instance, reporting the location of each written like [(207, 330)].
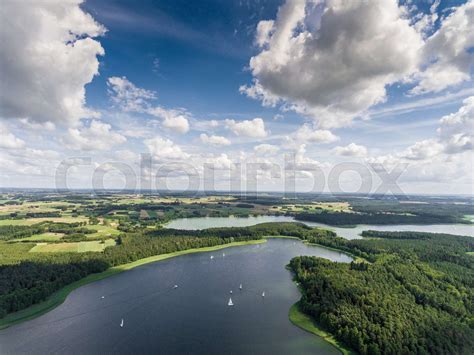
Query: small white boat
[(240, 287), (121, 323), (175, 286), (230, 303), (230, 292), (263, 294), (102, 297), (223, 254), (212, 256)]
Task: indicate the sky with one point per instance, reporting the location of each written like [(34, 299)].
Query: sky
[(334, 96)]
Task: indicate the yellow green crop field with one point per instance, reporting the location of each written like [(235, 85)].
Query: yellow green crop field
[(43, 236), (102, 231), (31, 221), (79, 247)]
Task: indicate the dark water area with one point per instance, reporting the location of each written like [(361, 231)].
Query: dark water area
[(193, 318)]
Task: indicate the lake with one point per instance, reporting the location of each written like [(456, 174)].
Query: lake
[(194, 318), (348, 233)]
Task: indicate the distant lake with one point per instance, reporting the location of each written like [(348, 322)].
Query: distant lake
[(194, 318), (348, 233), (217, 222)]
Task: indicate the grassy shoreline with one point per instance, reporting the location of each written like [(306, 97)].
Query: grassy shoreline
[(60, 296), (304, 322)]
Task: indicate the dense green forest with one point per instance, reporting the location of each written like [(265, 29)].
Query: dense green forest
[(75, 231), (349, 219), (414, 294)]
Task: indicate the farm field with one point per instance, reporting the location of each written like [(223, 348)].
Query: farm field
[(31, 221), (33, 207), (48, 236), (79, 247)]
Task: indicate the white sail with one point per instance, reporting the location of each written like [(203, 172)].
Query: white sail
[(121, 323), (263, 294), (230, 292), (175, 286), (240, 287), (212, 256), (230, 302)]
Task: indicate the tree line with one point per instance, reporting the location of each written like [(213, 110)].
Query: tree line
[(416, 295)]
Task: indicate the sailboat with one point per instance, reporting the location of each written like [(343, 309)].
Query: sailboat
[(121, 323), (175, 286), (240, 287), (102, 297), (263, 294), (230, 292), (223, 254), (212, 256), (230, 303)]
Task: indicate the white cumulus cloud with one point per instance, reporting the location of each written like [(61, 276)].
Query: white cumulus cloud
[(127, 96), (97, 136), (48, 56), (8, 140), (447, 52), (265, 149), (165, 149), (214, 140), (248, 128), (130, 98), (307, 134), (351, 150), (332, 61)]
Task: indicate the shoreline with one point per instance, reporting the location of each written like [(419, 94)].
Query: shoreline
[(307, 324), (57, 298), (295, 316)]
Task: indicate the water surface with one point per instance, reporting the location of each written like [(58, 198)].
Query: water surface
[(348, 233), (217, 222), (194, 318), (354, 233)]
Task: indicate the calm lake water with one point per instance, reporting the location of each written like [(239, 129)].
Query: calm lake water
[(348, 233), (194, 318)]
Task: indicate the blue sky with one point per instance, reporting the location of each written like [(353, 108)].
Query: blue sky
[(229, 82), (202, 52)]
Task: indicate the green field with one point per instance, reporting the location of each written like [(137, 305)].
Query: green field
[(31, 221), (34, 207), (102, 231), (51, 237), (469, 217), (304, 322), (79, 247)]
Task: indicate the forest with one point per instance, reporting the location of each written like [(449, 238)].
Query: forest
[(413, 294), (351, 219)]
